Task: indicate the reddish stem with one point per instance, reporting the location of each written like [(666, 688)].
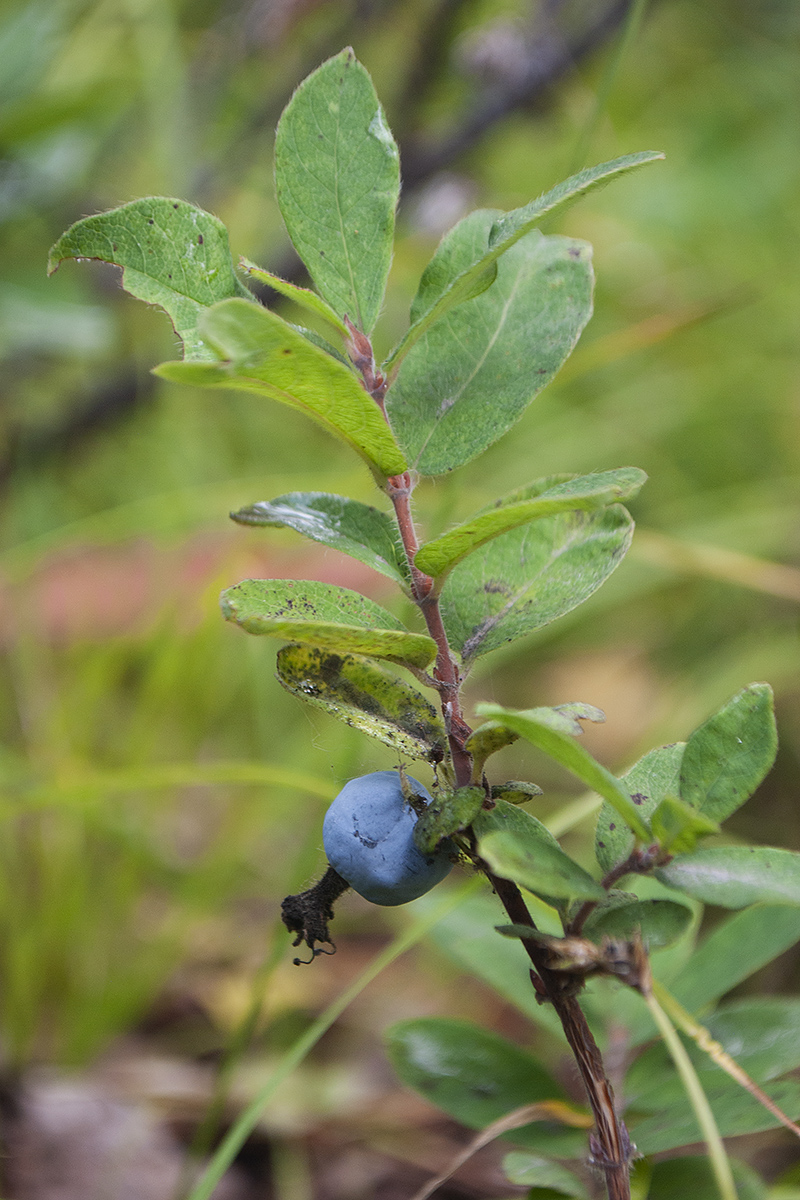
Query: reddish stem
[(610, 1146)]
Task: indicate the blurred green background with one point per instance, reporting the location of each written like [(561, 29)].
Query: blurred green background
[(161, 793)]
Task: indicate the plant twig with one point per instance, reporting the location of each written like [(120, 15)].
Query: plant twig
[(545, 1110), (610, 1145)]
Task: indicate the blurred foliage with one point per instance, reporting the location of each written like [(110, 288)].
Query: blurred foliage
[(161, 793)]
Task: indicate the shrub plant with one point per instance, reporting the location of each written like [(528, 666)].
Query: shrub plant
[(498, 310)]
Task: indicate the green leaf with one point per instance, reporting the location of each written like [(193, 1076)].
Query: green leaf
[(677, 827), (517, 846), (728, 756), (319, 614), (673, 1123), (356, 529), (584, 493), (171, 253), (365, 696), (515, 791), (458, 250), (736, 876), (525, 579), (304, 297), (264, 354), (762, 1034), (516, 223), (474, 1075), (487, 740), (736, 947), (467, 937), (528, 1170), (506, 343), (536, 727), (337, 179), (622, 914), (679, 1178), (448, 813), (653, 777), (447, 287)]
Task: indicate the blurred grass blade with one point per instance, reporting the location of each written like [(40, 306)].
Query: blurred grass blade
[(248, 1119), (710, 1046), (716, 562), (698, 1100)]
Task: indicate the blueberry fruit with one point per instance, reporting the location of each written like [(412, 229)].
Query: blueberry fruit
[(369, 839)]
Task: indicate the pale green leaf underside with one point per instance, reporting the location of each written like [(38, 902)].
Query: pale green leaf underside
[(172, 254), (727, 757), (307, 299), (736, 876), (262, 353), (654, 776), (366, 697), (540, 868), (536, 726), (356, 529), (337, 179), (584, 493), (524, 579), (319, 614), (517, 846), (445, 287), (472, 375)]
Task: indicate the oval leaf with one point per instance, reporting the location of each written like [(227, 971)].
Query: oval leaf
[(735, 948), (356, 529), (445, 288), (585, 493), (264, 354), (659, 922), (527, 1170), (728, 756), (517, 846), (736, 876), (474, 1075), (320, 614), (171, 253), (537, 726), (337, 179), (507, 343), (653, 777), (673, 1124), (678, 1178), (525, 579), (367, 697)]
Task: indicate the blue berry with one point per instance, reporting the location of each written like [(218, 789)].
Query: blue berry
[(368, 834)]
